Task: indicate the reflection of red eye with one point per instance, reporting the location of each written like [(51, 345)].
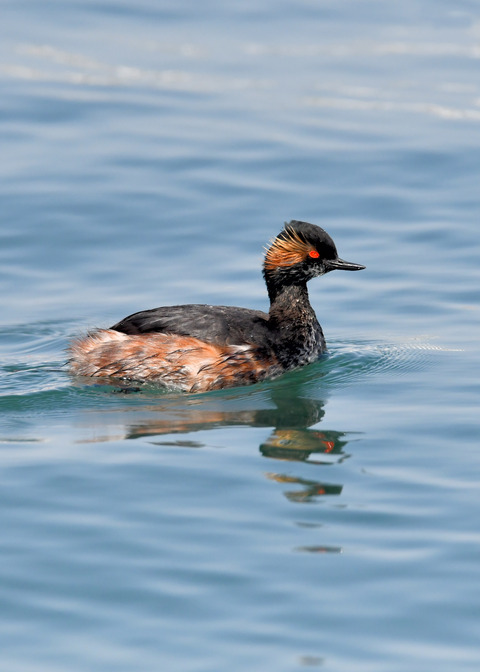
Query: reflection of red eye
[(314, 254)]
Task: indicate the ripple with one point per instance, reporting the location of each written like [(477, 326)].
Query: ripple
[(319, 549), (33, 361), (353, 360)]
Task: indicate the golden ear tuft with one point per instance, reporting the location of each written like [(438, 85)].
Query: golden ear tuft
[(287, 251)]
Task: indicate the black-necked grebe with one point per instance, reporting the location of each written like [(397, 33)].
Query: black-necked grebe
[(196, 348)]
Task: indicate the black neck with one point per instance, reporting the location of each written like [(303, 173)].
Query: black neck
[(289, 299), (298, 335), (286, 285), (291, 306)]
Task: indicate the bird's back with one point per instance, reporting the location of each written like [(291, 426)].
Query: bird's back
[(224, 325)]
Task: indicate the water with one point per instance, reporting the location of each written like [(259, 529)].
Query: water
[(327, 519)]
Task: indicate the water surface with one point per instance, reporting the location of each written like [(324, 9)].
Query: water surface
[(327, 519)]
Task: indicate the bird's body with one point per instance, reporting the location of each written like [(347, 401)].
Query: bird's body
[(196, 348)]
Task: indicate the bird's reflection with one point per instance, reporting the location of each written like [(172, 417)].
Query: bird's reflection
[(310, 489), (284, 407), (290, 415)]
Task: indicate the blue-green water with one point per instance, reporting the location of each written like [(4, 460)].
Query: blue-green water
[(327, 519)]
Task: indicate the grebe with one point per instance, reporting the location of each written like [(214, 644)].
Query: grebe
[(195, 348)]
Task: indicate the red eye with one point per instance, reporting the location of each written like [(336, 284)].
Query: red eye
[(314, 254)]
